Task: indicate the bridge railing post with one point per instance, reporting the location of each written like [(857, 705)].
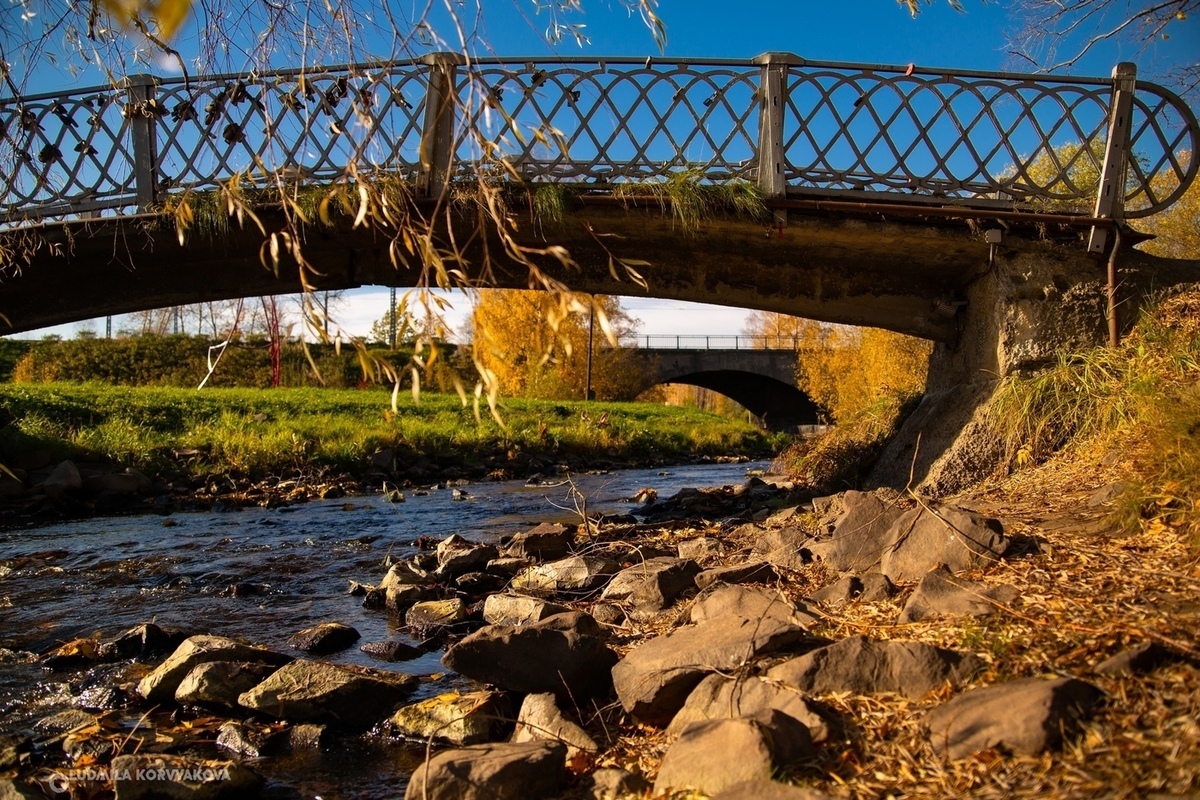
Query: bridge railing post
[(437, 131), (142, 112), (772, 95), (1110, 195)]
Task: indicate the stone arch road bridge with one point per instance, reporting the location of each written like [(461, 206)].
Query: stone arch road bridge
[(758, 372), (879, 182)]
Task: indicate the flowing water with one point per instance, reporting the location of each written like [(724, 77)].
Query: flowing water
[(261, 575)]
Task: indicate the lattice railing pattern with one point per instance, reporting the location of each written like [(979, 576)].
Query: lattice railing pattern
[(65, 154), (307, 126), (595, 123), (956, 137)]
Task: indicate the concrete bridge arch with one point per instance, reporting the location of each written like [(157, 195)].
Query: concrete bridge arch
[(761, 381)]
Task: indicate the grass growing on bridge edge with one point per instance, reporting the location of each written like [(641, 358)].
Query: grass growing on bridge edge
[(285, 431)]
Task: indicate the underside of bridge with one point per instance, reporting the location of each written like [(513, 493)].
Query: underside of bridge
[(900, 276), (777, 405), (996, 307)]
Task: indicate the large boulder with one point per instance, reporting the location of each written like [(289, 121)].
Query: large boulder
[(715, 755), (930, 535), (314, 691), (451, 717), (941, 594), (722, 697), (535, 658), (509, 771), (865, 666), (541, 719), (859, 536), (574, 574), (404, 573), (748, 602), (220, 683), (516, 609), (1023, 717), (153, 776), (653, 584), (161, 684), (654, 679), (546, 542), (459, 559), (64, 478)]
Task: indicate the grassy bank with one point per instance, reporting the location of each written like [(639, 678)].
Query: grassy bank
[(259, 432), (1135, 407)]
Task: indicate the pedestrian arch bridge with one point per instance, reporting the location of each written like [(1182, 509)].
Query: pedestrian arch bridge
[(877, 192), (757, 372)]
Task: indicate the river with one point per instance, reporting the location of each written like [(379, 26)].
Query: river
[(262, 575)]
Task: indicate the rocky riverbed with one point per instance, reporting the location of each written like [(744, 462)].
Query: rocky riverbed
[(749, 641)]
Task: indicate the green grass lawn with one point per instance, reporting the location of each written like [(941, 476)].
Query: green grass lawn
[(256, 431)]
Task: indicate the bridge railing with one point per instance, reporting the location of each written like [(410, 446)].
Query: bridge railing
[(660, 341), (791, 126)]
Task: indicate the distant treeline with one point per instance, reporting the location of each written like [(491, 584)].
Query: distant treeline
[(180, 360)]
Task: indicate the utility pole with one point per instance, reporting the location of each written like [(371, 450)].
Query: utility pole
[(108, 327), (587, 395), (392, 320)]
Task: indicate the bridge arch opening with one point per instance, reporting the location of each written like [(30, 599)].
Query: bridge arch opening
[(775, 404)]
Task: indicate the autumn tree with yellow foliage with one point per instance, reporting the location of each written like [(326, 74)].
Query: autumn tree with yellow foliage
[(844, 369), (535, 346)]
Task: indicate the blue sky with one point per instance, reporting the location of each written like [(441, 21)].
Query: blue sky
[(871, 31)]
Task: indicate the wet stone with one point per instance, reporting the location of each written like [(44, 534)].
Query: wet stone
[(154, 776), (400, 598), (391, 651), (220, 683), (328, 637), (143, 641), (314, 691), (459, 719), (11, 750), (306, 736), (251, 740), (160, 685), (436, 613)]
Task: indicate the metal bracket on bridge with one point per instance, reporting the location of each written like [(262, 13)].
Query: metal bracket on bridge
[(1110, 197), (437, 131), (772, 155), (142, 123)]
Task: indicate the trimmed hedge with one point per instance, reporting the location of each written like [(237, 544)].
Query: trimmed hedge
[(183, 361)]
